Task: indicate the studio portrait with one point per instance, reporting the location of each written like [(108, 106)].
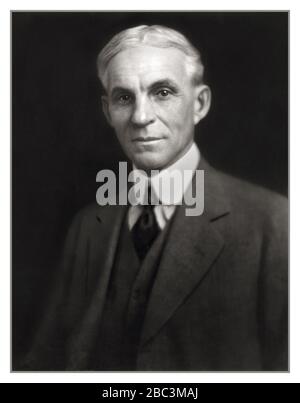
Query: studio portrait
[(150, 191)]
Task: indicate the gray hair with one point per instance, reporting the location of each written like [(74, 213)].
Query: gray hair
[(156, 36)]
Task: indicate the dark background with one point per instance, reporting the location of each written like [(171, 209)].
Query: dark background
[(60, 139)]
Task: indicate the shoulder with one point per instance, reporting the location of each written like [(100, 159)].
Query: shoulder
[(251, 201), (95, 219), (244, 194), (257, 224), (92, 213)]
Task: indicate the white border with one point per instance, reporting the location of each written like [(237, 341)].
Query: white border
[(5, 375)]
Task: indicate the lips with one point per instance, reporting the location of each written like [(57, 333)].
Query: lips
[(147, 139)]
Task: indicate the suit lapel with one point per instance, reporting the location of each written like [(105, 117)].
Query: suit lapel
[(193, 246), (103, 245), (189, 253), (101, 254)]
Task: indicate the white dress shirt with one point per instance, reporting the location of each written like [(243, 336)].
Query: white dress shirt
[(164, 211)]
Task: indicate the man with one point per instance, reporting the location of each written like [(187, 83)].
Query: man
[(151, 288)]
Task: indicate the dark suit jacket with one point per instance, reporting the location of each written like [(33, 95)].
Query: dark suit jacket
[(219, 301)]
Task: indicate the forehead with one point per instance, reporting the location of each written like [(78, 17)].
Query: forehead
[(143, 65)]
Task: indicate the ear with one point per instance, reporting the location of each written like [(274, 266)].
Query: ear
[(202, 102), (105, 108)]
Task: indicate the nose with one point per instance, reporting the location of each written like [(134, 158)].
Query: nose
[(143, 113)]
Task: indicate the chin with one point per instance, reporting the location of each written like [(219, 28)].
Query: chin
[(150, 162)]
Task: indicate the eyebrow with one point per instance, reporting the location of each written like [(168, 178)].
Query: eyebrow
[(165, 83), (118, 90), (157, 84)]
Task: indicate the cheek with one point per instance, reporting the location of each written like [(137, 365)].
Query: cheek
[(119, 118), (178, 117)]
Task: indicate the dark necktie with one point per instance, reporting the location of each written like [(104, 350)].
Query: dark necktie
[(145, 231)]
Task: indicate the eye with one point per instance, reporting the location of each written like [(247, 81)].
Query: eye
[(124, 99), (163, 93)]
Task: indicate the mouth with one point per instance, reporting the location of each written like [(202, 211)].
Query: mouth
[(147, 139)]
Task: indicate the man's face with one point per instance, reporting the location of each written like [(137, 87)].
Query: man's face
[(152, 105)]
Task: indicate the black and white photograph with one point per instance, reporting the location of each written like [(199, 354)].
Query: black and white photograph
[(150, 191)]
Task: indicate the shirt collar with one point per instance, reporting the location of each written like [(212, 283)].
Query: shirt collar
[(186, 165)]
